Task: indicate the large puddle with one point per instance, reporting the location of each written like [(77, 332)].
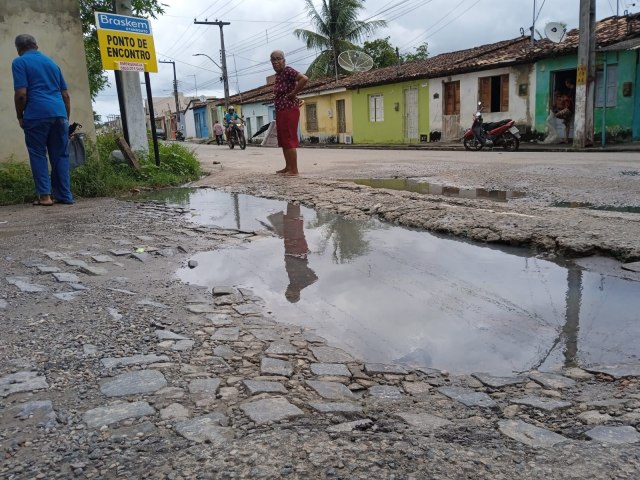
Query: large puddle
[(389, 294)]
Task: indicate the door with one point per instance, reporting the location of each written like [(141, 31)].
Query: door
[(200, 118), (341, 116), (411, 114), (451, 113)]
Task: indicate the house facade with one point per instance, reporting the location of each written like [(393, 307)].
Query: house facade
[(327, 116), (393, 113), (506, 92)]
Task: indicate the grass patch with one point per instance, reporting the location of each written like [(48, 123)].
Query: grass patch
[(100, 177)]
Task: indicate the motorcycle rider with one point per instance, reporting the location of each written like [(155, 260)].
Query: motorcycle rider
[(229, 118)]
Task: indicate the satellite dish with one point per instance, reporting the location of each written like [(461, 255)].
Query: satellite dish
[(555, 31), (203, 98), (355, 61)]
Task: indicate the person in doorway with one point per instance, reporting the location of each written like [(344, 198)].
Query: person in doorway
[(43, 107), (288, 84), (218, 131), (566, 107)]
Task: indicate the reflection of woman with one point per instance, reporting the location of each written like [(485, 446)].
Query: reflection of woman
[(291, 228), (288, 84)]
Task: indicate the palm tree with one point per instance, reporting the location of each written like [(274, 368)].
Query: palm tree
[(337, 29)]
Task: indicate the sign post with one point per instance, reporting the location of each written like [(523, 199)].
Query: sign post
[(126, 46), (126, 43)]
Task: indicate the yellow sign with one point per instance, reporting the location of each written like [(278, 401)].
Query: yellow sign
[(581, 75), (125, 41)]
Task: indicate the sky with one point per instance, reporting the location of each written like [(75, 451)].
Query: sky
[(257, 27)]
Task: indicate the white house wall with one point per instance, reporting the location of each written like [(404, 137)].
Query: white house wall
[(251, 112), (58, 31), (521, 107), (190, 124)]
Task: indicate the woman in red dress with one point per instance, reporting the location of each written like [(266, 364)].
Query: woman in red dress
[(288, 84)]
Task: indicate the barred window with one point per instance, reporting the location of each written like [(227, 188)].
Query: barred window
[(311, 112)]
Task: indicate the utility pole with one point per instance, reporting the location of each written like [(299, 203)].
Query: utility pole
[(585, 75), (223, 57), (175, 92)]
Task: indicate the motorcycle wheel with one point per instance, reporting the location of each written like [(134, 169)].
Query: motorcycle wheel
[(242, 141), (510, 142), (470, 143), (230, 140)]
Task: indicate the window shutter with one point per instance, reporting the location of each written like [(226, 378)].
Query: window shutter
[(504, 93), (379, 109), (599, 89), (372, 108), (612, 86), (484, 91)]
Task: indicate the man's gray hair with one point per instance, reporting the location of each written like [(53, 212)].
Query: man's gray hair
[(277, 53), (26, 42)]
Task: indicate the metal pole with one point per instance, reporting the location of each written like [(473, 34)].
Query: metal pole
[(154, 134), (533, 25), (603, 134), (225, 76), (123, 110), (223, 55), (175, 92)]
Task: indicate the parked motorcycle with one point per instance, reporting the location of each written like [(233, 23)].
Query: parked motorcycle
[(180, 136), (235, 134), (502, 133)]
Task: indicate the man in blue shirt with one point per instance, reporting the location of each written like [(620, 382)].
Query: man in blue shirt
[(43, 107)]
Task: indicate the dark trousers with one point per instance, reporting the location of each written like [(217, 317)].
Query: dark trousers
[(49, 136)]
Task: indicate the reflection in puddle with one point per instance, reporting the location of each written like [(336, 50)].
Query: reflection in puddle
[(591, 206), (417, 185), (388, 294)]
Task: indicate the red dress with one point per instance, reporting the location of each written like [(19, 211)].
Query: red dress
[(287, 110)]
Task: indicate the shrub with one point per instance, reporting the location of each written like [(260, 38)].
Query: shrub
[(100, 176)]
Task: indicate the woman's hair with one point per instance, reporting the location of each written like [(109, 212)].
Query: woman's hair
[(277, 53), (26, 42)]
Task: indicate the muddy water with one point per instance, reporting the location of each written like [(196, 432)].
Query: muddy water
[(389, 294)]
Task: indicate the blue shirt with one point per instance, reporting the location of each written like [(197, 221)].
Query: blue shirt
[(228, 117), (44, 83)]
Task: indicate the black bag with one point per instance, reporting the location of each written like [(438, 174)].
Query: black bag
[(77, 153)]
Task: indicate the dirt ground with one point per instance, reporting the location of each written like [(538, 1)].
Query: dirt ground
[(110, 367)]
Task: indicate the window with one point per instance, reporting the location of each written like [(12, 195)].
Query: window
[(312, 117), (376, 108), (612, 87), (452, 98), (493, 92)]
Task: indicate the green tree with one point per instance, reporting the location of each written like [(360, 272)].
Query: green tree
[(141, 8), (421, 53), (382, 52), (337, 29)]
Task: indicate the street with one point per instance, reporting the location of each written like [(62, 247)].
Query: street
[(112, 367)]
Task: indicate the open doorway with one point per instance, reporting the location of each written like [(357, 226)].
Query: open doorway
[(562, 97), (561, 83)]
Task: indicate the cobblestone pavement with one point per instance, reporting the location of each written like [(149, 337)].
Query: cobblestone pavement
[(112, 368)]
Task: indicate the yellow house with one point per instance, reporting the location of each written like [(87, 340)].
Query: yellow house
[(326, 115)]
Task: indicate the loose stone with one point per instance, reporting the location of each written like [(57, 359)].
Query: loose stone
[(134, 360), (614, 435), (375, 368), (261, 386), (144, 381), (541, 403), (385, 392), (498, 382), (331, 390), (22, 382), (331, 355), (116, 412), (206, 429), (551, 380), (270, 410), (272, 366), (470, 398), (332, 369), (529, 434)]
